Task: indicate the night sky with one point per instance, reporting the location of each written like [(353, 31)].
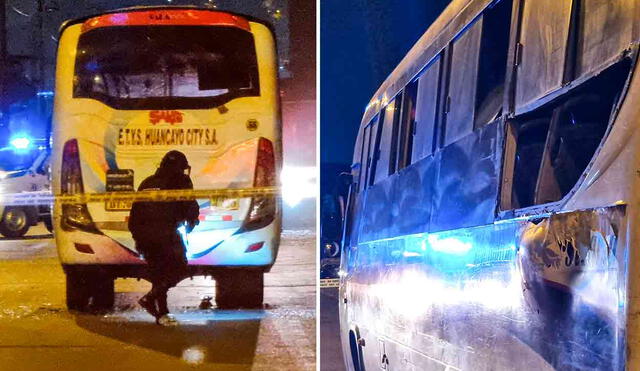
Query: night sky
[(361, 42)]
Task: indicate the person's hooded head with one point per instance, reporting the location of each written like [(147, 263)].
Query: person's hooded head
[(174, 163)]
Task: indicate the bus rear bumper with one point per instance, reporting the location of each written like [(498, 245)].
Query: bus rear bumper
[(257, 249)]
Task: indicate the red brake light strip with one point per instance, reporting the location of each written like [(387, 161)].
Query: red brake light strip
[(164, 17)]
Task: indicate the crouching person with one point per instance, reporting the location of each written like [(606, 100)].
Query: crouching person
[(155, 229)]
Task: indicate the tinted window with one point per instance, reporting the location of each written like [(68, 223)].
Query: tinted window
[(493, 62), (374, 145), (365, 153), (157, 67), (407, 125), (364, 159), (386, 152)]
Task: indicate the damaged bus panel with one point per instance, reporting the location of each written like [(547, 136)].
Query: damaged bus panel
[(490, 221)]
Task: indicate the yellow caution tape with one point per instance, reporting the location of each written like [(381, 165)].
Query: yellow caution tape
[(329, 282), (44, 198)]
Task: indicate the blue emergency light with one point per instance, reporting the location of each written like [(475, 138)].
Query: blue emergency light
[(20, 142)]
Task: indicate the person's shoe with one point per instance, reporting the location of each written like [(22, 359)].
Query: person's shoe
[(167, 320), (149, 305)]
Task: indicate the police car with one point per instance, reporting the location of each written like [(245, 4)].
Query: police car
[(23, 168)]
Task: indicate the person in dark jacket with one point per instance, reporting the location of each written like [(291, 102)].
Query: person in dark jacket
[(154, 227)]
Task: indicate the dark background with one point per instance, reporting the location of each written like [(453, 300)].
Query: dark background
[(361, 42)]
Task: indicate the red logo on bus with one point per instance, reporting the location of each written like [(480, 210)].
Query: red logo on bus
[(171, 117)]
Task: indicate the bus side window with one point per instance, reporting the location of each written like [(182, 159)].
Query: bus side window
[(530, 137), (407, 125), (374, 149), (494, 47), (385, 153), (543, 41), (364, 158), (459, 104), (554, 145), (425, 120), (606, 29)]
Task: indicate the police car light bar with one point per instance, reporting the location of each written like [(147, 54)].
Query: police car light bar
[(20, 142)]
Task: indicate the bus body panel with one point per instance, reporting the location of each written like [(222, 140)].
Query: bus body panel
[(220, 143), (495, 297), (554, 288)]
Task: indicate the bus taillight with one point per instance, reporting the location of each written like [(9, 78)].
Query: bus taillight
[(263, 209), (74, 216), (265, 175), (71, 173)]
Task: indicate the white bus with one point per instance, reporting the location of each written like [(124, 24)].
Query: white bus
[(132, 85), (493, 213)]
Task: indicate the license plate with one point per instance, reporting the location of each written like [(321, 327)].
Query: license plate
[(225, 203), (119, 180), (117, 205)]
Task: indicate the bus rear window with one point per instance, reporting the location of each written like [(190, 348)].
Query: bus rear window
[(160, 67)]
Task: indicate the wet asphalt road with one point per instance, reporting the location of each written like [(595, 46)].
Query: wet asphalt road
[(38, 333), (330, 346)]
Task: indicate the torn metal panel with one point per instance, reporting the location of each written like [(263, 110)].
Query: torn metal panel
[(467, 186), (574, 251), (573, 274), (545, 294), (544, 35)]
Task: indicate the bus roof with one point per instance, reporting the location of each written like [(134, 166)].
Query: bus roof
[(457, 15), (169, 8)]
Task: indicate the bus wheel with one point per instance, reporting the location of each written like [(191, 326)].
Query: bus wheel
[(356, 352), (15, 222), (89, 292), (78, 291), (239, 289), (48, 222), (103, 293)]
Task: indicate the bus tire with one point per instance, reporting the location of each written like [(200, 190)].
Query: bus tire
[(15, 222), (89, 292), (48, 223), (102, 292), (78, 291), (240, 289)]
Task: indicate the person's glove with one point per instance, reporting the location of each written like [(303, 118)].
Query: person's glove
[(191, 224)]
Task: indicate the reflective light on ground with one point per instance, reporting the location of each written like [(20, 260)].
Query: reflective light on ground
[(298, 183), (193, 355)]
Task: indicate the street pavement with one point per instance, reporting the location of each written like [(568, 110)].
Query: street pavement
[(38, 333), (330, 347)]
